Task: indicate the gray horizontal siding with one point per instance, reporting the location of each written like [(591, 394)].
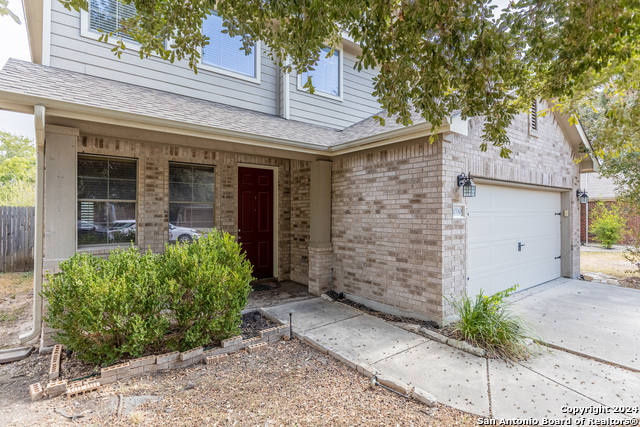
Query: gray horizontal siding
[(71, 51), (357, 103)]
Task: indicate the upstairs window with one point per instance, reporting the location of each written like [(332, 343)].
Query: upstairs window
[(106, 200), (191, 199), (224, 52), (327, 74), (105, 16)]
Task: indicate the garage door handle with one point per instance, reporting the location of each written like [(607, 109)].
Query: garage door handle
[(520, 245)]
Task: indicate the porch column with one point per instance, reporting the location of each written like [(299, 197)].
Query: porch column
[(60, 220), (320, 248)]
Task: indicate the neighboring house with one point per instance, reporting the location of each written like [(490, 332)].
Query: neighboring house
[(599, 190), (316, 191)]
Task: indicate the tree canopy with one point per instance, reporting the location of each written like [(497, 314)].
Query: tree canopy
[(437, 56), (17, 170), (5, 11)]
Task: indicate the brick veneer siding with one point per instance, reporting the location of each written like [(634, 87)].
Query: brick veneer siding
[(153, 189), (386, 216), (300, 214), (394, 237)]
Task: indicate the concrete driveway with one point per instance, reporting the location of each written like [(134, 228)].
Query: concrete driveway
[(539, 388), (591, 319)]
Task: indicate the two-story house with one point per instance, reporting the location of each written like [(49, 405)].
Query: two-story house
[(148, 152)]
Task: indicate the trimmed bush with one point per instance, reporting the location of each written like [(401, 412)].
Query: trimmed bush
[(107, 308), (488, 323), (209, 285), (121, 306), (607, 224)]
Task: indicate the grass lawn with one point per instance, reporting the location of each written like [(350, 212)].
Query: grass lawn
[(611, 263)]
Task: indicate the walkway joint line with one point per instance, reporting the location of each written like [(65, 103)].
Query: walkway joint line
[(333, 323)]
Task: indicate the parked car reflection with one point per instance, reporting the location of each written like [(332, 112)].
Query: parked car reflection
[(182, 234)]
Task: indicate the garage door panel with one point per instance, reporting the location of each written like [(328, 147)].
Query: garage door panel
[(499, 219)]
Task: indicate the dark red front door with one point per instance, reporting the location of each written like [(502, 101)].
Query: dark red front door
[(255, 218)]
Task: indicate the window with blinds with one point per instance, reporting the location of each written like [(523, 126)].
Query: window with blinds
[(106, 200), (224, 51), (325, 76), (105, 16), (191, 201)]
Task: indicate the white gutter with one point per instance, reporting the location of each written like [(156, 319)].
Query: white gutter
[(39, 112)]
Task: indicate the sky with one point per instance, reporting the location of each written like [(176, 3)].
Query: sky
[(16, 45)]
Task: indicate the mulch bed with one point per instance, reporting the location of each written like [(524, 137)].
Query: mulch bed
[(17, 376), (447, 330)]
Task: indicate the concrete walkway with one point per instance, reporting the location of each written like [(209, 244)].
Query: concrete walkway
[(538, 388)]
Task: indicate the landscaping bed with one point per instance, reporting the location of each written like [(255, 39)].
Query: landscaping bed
[(289, 383), (17, 376)]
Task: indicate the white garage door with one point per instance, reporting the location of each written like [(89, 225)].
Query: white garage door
[(500, 218)]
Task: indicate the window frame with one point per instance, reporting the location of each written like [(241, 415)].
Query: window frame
[(135, 202), (257, 50), (86, 31), (212, 204), (339, 97)]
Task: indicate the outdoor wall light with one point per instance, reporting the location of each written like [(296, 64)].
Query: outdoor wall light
[(582, 195), (468, 187)]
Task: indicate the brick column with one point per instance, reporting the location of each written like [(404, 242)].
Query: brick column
[(320, 264), (320, 247)]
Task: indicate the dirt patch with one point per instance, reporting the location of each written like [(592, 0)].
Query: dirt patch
[(610, 263), (16, 304), (253, 323), (289, 383), (630, 282)]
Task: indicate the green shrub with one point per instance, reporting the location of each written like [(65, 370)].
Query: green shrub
[(607, 223), (488, 323), (209, 284), (107, 308)]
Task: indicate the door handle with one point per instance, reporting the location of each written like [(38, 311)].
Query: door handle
[(520, 245)]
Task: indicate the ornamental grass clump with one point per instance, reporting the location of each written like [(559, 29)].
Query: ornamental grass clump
[(131, 303), (489, 323)]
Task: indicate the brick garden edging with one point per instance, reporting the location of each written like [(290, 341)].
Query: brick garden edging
[(148, 364)]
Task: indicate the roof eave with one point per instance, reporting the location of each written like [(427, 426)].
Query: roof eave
[(33, 11)]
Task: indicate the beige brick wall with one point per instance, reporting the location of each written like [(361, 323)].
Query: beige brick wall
[(300, 203), (386, 215), (153, 191), (394, 238)]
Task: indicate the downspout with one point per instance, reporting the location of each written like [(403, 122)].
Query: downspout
[(38, 112)]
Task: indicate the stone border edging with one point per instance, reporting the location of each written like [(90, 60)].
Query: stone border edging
[(148, 364), (365, 370), (428, 333)]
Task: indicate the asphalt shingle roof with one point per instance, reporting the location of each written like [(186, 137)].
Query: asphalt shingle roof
[(26, 78)]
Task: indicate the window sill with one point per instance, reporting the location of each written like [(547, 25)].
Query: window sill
[(229, 73), (322, 94), (103, 248)]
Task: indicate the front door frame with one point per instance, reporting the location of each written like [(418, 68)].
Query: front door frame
[(276, 222)]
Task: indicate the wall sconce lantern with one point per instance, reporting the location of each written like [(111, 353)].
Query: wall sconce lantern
[(582, 195), (468, 187)]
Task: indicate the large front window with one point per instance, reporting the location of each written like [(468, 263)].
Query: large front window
[(106, 200), (105, 15), (191, 198), (224, 52)]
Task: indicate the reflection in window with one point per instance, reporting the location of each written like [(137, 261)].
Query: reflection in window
[(105, 15), (191, 197), (325, 76), (106, 201), (224, 51)]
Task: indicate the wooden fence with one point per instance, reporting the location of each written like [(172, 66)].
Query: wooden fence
[(17, 226)]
